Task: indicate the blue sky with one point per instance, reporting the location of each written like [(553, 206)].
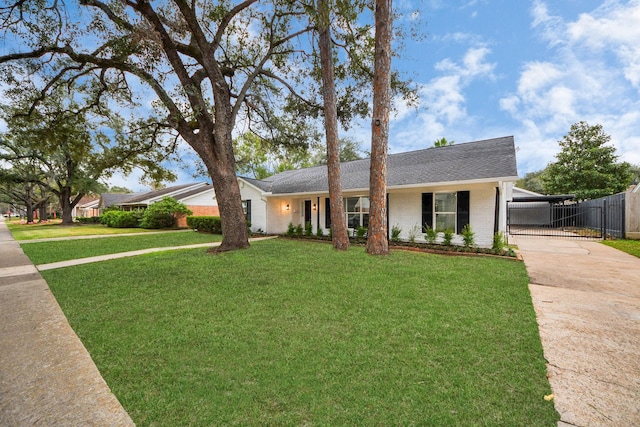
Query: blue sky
[(524, 68), (491, 68)]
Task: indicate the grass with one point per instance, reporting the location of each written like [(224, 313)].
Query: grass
[(46, 252), (53, 228), (294, 333), (629, 246)]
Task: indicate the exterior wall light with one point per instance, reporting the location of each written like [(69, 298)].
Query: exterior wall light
[(315, 207), (286, 207)]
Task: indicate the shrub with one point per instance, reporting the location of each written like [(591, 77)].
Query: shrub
[(164, 214), (361, 232), (298, 230), (121, 219), (88, 220), (413, 233), (468, 236), (395, 233), (308, 229), (319, 232), (431, 235), (447, 236), (499, 242), (206, 224), (291, 230)]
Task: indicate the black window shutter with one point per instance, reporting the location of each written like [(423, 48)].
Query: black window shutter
[(462, 211), (249, 210), (327, 213), (427, 211)]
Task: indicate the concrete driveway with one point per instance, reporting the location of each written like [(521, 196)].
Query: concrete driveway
[(587, 300)]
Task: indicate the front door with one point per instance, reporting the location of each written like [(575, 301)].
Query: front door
[(307, 212)]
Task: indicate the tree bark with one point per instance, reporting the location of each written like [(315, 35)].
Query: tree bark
[(339, 234), (377, 242)]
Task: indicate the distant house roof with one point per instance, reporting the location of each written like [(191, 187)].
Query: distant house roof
[(110, 199), (488, 159), (176, 191)]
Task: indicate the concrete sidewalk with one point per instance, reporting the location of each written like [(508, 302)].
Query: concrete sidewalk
[(47, 377), (587, 301)]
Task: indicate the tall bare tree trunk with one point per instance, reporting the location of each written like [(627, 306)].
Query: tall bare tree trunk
[(339, 233), (377, 242)]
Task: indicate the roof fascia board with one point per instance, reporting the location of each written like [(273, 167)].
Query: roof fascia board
[(262, 192)]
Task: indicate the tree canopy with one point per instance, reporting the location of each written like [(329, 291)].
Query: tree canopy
[(586, 166), (210, 65), (65, 149)]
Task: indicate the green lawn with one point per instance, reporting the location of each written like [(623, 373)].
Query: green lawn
[(53, 228), (294, 333), (629, 246), (46, 252)]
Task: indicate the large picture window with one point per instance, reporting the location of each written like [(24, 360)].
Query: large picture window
[(445, 211), (357, 211)]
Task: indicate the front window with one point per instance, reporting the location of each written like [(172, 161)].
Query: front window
[(445, 211), (357, 210)]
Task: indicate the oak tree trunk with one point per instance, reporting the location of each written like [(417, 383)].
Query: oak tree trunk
[(339, 233), (377, 242)]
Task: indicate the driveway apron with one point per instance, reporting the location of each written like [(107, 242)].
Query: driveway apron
[(587, 300), (47, 377)]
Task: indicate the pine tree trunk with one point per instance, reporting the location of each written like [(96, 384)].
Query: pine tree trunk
[(339, 233), (377, 242)]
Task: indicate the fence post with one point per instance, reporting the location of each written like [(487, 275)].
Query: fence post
[(604, 219)]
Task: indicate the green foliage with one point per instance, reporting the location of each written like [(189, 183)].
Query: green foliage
[(395, 233), (361, 232), (207, 224), (442, 142), (121, 219), (319, 232), (586, 166), (532, 181), (499, 242), (447, 236), (413, 233), (308, 229), (431, 235), (88, 220), (164, 214), (298, 230), (291, 230), (468, 236)]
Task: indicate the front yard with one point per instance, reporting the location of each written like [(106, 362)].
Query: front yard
[(629, 246), (294, 333)]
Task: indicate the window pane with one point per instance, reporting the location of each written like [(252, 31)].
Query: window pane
[(365, 220), (444, 221), (351, 204), (445, 202), (353, 220), (363, 204)]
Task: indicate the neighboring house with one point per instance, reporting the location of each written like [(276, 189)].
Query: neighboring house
[(443, 187), (87, 206), (199, 197)]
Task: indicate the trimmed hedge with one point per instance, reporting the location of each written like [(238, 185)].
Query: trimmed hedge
[(121, 219), (207, 224), (88, 220)]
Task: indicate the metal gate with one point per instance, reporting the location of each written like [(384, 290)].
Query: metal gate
[(547, 219)]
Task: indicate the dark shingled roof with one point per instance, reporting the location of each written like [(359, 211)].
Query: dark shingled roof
[(109, 199), (491, 158), (141, 197)]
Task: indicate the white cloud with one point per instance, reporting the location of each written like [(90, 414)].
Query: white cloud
[(592, 75), (443, 102)]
